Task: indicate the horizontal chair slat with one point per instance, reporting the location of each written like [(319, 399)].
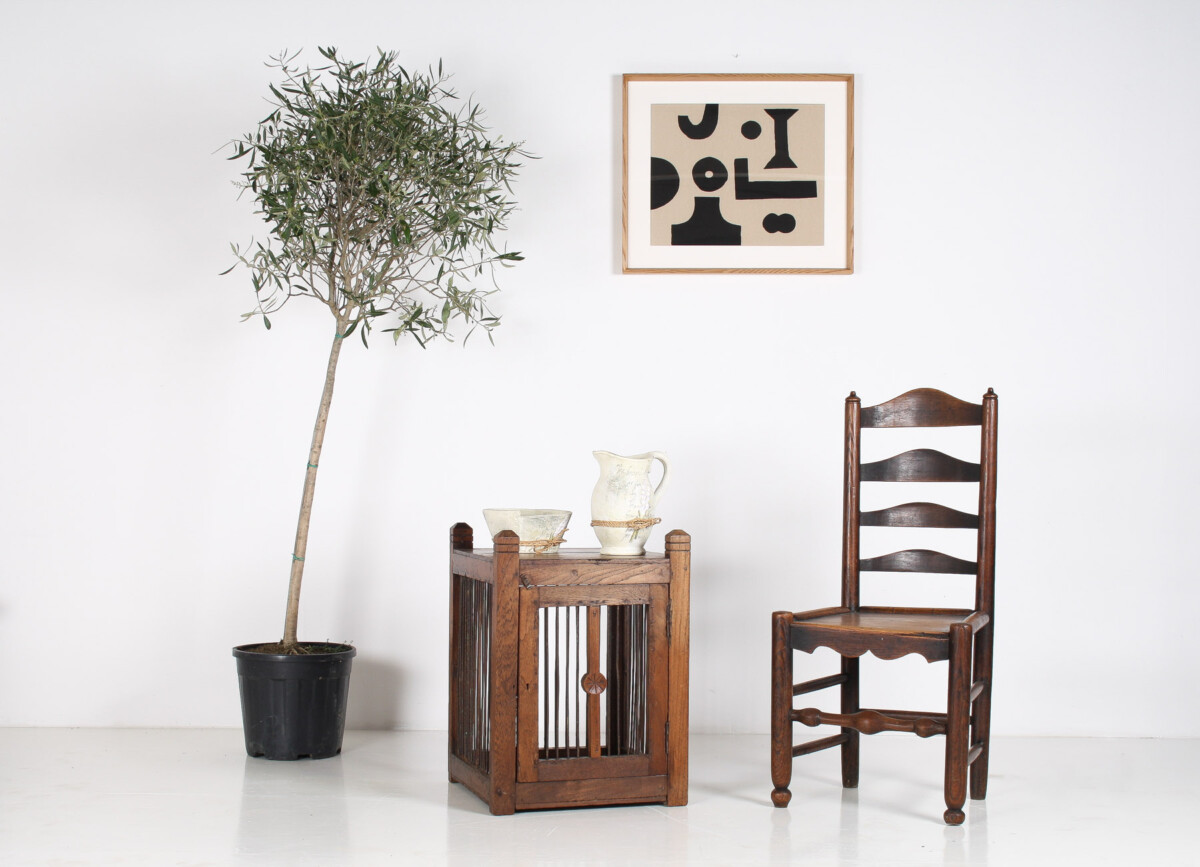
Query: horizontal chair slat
[(920, 465), (818, 684), (819, 744), (870, 721), (919, 515), (922, 407), (936, 716), (918, 561)]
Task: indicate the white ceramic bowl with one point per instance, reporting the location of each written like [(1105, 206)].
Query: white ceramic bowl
[(536, 528)]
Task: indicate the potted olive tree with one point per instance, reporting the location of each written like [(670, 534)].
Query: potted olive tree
[(382, 193)]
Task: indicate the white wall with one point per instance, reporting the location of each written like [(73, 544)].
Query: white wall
[(1027, 188)]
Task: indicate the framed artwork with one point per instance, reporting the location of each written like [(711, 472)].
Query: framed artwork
[(738, 173)]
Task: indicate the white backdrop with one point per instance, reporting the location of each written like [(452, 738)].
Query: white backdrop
[(1026, 219)]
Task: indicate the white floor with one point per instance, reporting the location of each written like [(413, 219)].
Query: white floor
[(192, 797)]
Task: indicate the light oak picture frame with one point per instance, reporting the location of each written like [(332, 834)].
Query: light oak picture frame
[(738, 173)]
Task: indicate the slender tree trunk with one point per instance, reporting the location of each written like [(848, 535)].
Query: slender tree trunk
[(310, 485)]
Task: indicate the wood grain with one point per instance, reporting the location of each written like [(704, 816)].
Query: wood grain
[(922, 407), (933, 515), (679, 550), (918, 560), (646, 600), (963, 637), (502, 686), (920, 465)]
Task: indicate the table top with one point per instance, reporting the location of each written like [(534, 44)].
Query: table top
[(569, 566), (572, 554)]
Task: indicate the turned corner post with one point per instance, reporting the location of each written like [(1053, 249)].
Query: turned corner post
[(958, 711), (781, 707), (502, 689), (679, 553)]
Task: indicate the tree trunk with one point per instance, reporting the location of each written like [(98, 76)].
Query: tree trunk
[(310, 485)]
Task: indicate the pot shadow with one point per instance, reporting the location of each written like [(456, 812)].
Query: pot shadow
[(375, 696)]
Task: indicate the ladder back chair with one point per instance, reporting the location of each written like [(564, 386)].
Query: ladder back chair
[(962, 637)]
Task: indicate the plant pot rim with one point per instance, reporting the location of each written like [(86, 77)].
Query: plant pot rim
[(346, 651)]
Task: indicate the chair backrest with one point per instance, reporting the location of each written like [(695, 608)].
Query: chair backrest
[(922, 407)]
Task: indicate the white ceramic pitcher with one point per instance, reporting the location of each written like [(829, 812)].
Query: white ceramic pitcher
[(623, 501)]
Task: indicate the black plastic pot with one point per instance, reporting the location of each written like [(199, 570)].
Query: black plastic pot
[(294, 707)]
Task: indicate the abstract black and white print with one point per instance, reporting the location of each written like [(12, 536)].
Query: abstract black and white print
[(733, 174)]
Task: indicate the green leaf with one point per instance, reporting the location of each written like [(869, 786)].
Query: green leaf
[(371, 179)]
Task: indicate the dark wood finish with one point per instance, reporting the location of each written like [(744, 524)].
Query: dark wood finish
[(919, 515), (964, 638), (920, 465), (923, 407), (461, 537), (527, 704), (593, 699), (850, 502), (528, 680), (624, 594), (889, 633), (958, 711), (781, 719), (985, 596), (872, 722), (819, 744), (470, 776), (571, 566), (592, 792), (502, 683), (818, 684), (572, 767), (918, 561)]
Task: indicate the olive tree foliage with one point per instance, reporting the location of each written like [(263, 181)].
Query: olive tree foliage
[(382, 192)]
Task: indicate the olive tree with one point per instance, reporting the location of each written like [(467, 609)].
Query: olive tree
[(382, 192)]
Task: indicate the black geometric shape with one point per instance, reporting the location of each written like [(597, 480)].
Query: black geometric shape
[(751, 129), (779, 223), (744, 188), (706, 227), (781, 160), (710, 174), (705, 128), (664, 182)]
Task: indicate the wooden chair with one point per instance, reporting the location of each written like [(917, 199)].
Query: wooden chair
[(962, 637)]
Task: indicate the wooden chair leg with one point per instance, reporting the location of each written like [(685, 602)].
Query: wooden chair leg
[(958, 712), (850, 706), (981, 718), (781, 708)]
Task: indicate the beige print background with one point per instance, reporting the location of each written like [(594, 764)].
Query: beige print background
[(806, 146)]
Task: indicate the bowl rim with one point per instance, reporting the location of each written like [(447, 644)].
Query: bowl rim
[(525, 513)]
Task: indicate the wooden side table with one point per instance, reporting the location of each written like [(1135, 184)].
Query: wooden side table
[(568, 674)]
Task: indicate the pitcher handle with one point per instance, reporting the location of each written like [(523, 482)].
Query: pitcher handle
[(662, 484)]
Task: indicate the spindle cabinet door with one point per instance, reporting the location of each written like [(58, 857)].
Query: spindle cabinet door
[(592, 682)]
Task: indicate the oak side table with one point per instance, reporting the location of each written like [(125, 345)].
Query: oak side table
[(568, 674)]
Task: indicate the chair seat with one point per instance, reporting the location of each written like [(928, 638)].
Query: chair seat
[(889, 633)]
